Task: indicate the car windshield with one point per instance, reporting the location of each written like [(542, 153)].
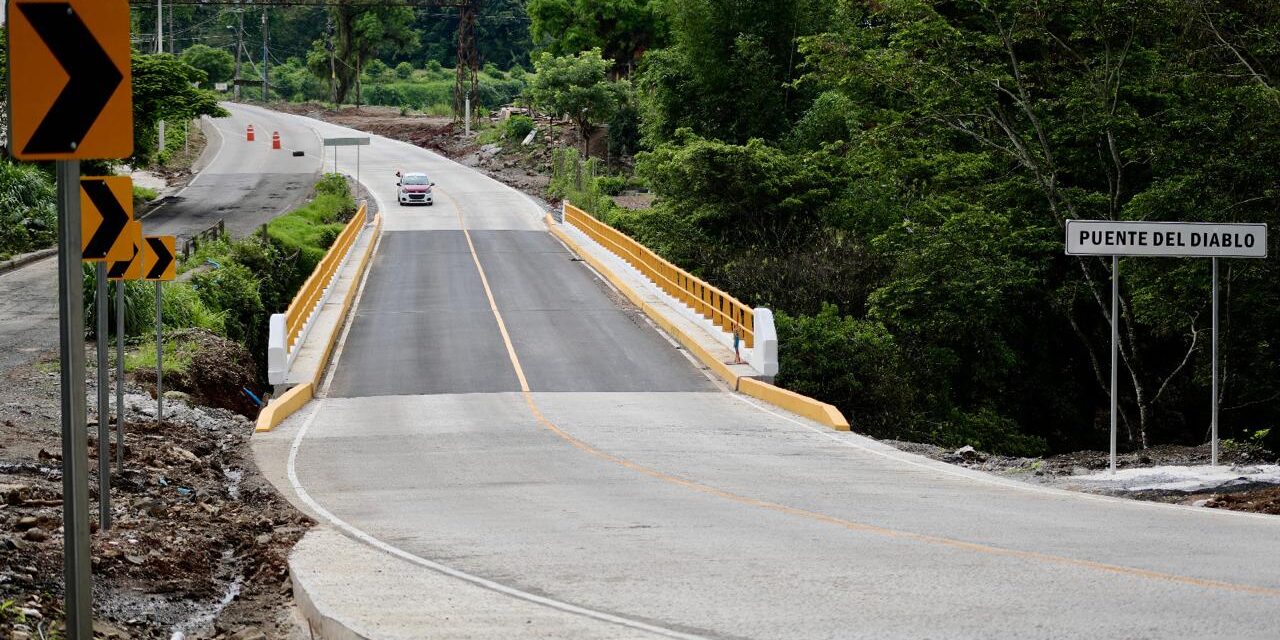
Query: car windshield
[(415, 179)]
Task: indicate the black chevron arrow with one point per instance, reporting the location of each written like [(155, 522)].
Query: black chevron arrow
[(114, 219), (163, 258), (120, 268), (93, 77)]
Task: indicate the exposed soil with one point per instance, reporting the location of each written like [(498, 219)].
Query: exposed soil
[(199, 540), (1058, 470), (524, 168)]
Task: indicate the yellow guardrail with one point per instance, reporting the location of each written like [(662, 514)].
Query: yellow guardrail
[(720, 308), (308, 297)]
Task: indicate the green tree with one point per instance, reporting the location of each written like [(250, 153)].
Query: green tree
[(363, 31), (577, 86), (162, 90), (218, 65), (729, 70), (622, 29)]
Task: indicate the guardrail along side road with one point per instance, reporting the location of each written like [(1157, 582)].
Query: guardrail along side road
[(498, 415)]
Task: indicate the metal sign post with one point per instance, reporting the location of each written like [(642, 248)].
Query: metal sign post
[(106, 212), (75, 446), (1213, 456), (159, 355), (347, 142), (120, 285), (1164, 239), (1115, 353), (104, 402), (83, 44), (159, 256)]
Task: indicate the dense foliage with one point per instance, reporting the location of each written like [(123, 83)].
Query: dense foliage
[(163, 90), (893, 176), (28, 212), (232, 287)]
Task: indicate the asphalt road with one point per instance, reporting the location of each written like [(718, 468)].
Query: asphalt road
[(494, 409), (242, 183), (28, 312), (246, 184)]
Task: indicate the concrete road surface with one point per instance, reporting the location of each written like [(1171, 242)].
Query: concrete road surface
[(494, 412)]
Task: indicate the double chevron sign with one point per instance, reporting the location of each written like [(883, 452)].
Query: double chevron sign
[(110, 234)]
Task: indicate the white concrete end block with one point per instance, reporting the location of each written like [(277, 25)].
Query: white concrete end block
[(764, 356), (277, 350)]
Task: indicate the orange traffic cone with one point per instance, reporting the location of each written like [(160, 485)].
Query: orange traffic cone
[(249, 134), (275, 139)]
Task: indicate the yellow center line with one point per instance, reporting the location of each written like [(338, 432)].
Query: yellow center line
[(813, 515)]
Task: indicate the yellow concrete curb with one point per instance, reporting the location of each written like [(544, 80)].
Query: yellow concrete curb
[(819, 412), (296, 398), (284, 406)]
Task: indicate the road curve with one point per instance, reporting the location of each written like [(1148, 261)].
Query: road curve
[(244, 183), (495, 410)]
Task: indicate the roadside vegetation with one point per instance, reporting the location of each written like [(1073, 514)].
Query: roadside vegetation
[(893, 177), (228, 289)]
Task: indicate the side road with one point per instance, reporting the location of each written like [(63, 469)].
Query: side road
[(236, 182)]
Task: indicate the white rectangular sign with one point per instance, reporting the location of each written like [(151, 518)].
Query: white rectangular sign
[(346, 142), (1169, 239)]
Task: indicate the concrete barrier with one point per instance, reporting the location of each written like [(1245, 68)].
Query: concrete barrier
[(280, 358), (286, 405), (819, 412)]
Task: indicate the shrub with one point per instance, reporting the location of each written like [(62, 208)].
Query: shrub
[(404, 71), (518, 127), (611, 185), (855, 365), (233, 291), (334, 184), (989, 431), (28, 215)]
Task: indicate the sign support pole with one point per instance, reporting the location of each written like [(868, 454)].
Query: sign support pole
[(159, 357), (120, 285), (1214, 385), (1115, 353), (75, 446), (104, 401)]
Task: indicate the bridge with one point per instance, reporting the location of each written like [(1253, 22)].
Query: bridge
[(506, 428)]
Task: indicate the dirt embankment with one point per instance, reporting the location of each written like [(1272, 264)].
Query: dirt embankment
[(525, 168), (199, 540), (1183, 475)]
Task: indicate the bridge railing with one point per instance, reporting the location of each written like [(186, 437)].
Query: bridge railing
[(288, 329), (722, 309)]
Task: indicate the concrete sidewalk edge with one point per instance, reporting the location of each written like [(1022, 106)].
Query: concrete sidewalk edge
[(815, 410)]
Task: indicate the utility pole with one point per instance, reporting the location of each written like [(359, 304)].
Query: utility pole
[(266, 74), (160, 49), (333, 64), (239, 51)]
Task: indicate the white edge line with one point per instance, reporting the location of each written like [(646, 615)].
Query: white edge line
[(449, 571)]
